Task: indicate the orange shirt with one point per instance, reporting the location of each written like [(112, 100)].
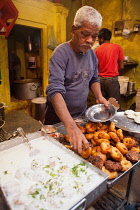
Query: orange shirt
[(108, 55)]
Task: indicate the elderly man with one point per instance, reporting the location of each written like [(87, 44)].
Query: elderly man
[(73, 70)]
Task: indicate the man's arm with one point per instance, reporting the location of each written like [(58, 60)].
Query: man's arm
[(121, 64), (76, 137)]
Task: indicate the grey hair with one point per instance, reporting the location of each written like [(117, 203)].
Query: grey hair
[(87, 14)]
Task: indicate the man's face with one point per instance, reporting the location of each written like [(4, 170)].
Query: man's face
[(101, 40), (84, 37)]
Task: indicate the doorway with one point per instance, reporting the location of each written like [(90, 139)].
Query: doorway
[(24, 55)]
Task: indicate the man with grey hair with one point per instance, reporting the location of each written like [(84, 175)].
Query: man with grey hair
[(73, 70)]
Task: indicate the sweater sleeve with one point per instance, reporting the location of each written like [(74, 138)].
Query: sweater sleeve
[(57, 66)]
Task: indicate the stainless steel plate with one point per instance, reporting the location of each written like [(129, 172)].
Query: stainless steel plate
[(123, 122), (100, 113)]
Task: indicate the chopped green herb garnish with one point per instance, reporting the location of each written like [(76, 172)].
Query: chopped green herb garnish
[(53, 174), (75, 170), (82, 164), (5, 172), (35, 193), (50, 186), (47, 166), (42, 197)]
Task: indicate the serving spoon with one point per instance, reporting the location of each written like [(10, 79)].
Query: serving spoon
[(33, 151)]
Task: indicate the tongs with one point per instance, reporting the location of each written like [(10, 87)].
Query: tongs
[(33, 151)]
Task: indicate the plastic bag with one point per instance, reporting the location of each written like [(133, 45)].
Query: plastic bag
[(52, 41)]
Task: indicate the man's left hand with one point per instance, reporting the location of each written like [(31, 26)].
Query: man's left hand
[(102, 100)]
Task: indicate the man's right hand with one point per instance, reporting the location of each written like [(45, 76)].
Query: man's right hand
[(76, 138)]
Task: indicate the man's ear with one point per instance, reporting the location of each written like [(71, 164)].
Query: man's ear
[(102, 40), (73, 28)]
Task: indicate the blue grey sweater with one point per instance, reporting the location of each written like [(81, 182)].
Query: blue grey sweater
[(71, 75)]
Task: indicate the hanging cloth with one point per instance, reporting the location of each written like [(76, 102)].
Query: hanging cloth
[(52, 41)]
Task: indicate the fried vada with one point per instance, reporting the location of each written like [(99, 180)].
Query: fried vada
[(112, 175)]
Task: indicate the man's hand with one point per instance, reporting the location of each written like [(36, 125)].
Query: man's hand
[(102, 100), (77, 138), (96, 89)]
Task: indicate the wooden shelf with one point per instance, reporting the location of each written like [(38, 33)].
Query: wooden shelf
[(130, 63), (127, 94)]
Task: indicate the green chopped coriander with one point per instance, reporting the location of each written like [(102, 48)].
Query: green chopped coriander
[(46, 166), (77, 168), (5, 172), (35, 193), (82, 164), (50, 186), (51, 174)]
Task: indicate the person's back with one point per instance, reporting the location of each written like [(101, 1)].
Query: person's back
[(108, 55), (110, 61)]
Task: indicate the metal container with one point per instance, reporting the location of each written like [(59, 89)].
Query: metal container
[(88, 197), (126, 58), (38, 108), (131, 87), (100, 113), (26, 89), (123, 122), (122, 119)]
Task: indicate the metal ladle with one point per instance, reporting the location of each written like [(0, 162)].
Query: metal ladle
[(33, 151)]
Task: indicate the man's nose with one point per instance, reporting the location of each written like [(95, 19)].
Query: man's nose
[(90, 40)]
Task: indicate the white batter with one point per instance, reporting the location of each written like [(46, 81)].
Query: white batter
[(52, 179)]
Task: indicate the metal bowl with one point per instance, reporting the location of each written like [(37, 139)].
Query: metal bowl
[(100, 113), (48, 129)]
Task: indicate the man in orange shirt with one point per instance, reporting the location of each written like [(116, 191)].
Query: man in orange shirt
[(110, 61)]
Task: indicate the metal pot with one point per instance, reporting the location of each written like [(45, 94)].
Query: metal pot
[(131, 86), (26, 89), (126, 58)]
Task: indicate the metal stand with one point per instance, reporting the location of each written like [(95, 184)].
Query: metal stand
[(129, 184), (113, 200)]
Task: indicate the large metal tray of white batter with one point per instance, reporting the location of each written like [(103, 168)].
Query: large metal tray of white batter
[(87, 199), (123, 122)]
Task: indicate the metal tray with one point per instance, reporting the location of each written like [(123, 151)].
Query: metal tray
[(90, 196), (121, 121), (112, 182)]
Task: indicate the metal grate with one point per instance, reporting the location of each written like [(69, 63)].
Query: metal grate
[(112, 200)]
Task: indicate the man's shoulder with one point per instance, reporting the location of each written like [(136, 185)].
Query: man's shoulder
[(98, 48), (116, 45), (62, 46), (61, 49)]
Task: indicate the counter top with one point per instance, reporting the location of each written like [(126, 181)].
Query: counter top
[(18, 118)]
